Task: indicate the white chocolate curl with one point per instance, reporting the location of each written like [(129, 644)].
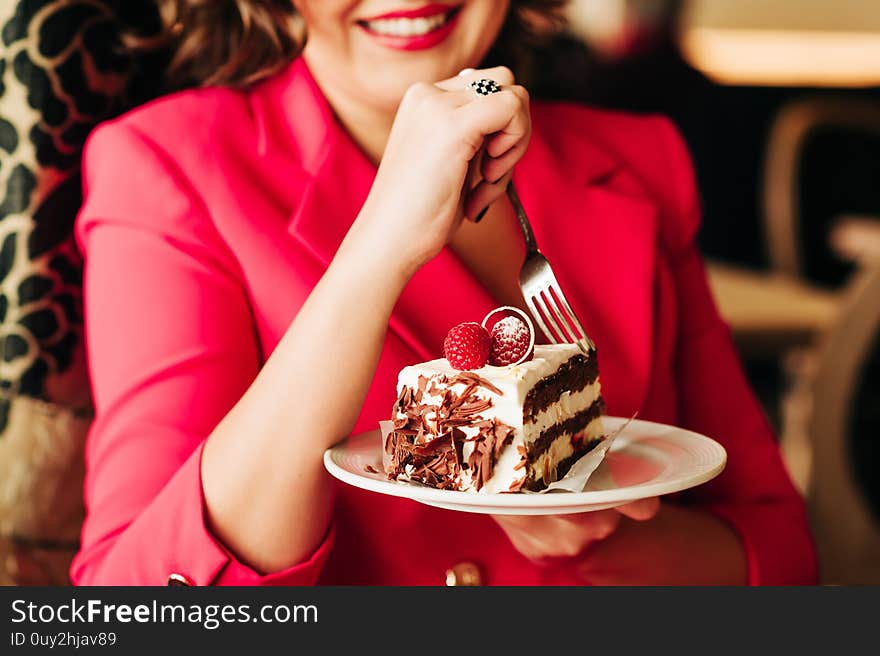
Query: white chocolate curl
[(526, 320)]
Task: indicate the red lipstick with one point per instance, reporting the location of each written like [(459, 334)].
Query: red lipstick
[(422, 12), (420, 41)]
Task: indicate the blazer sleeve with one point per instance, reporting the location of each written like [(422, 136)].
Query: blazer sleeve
[(172, 347), (754, 493)]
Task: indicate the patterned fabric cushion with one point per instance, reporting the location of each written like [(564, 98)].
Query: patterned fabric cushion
[(61, 72)]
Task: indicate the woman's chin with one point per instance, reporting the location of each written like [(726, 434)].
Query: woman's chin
[(390, 89)]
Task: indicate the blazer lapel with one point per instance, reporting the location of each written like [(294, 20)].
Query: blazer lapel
[(440, 294)]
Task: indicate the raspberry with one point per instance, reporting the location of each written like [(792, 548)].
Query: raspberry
[(467, 346), (511, 342)]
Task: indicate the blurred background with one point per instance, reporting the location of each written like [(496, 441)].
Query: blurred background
[(779, 101)]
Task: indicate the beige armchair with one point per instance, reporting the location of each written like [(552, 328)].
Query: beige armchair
[(825, 338), (820, 418), (788, 137)]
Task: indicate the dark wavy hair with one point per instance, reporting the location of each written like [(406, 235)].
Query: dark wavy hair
[(239, 42)]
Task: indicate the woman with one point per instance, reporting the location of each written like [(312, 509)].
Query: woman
[(262, 260)]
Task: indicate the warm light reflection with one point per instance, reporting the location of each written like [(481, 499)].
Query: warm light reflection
[(785, 57)]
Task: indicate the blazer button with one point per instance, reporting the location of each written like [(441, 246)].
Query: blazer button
[(463, 574), (179, 580)]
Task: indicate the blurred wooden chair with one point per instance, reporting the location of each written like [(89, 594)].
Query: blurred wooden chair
[(771, 311), (788, 139), (825, 336), (823, 420), (821, 423)]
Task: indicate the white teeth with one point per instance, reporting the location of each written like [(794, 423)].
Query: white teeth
[(406, 26)]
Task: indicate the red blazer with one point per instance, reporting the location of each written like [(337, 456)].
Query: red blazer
[(211, 214)]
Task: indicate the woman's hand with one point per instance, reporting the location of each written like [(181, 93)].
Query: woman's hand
[(450, 154), (548, 538), (643, 543)]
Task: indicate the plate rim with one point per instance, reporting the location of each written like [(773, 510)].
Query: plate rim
[(457, 500)]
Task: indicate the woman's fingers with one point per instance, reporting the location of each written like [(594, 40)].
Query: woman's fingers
[(564, 536), (498, 122), (450, 154), (484, 194), (472, 181), (640, 510), (494, 168), (505, 113), (500, 75), (502, 122), (593, 526), (500, 143)]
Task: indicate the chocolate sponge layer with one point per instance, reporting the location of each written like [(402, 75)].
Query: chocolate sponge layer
[(572, 376)]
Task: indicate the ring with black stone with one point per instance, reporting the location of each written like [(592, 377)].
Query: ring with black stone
[(484, 87)]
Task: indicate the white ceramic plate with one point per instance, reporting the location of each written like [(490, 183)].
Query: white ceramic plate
[(645, 460)]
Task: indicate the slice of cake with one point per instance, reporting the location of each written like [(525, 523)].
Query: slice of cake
[(495, 428)]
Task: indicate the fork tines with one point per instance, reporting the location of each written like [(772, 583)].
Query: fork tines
[(551, 309)]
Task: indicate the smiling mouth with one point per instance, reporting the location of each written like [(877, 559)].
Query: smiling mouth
[(409, 27)]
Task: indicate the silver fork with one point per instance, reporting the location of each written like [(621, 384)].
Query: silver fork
[(547, 304)]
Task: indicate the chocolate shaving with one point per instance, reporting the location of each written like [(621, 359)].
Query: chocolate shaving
[(549, 473), (390, 442), (475, 463), (486, 464), (370, 469), (432, 446), (432, 450), (469, 377), (462, 398), (503, 434), (458, 438), (405, 398), (475, 407)]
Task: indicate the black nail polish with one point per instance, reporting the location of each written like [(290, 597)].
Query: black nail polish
[(481, 214)]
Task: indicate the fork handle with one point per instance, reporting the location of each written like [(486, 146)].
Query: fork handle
[(525, 226)]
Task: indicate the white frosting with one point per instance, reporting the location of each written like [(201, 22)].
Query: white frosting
[(514, 382), (518, 379)]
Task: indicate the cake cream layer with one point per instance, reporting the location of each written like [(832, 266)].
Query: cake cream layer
[(569, 404)]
